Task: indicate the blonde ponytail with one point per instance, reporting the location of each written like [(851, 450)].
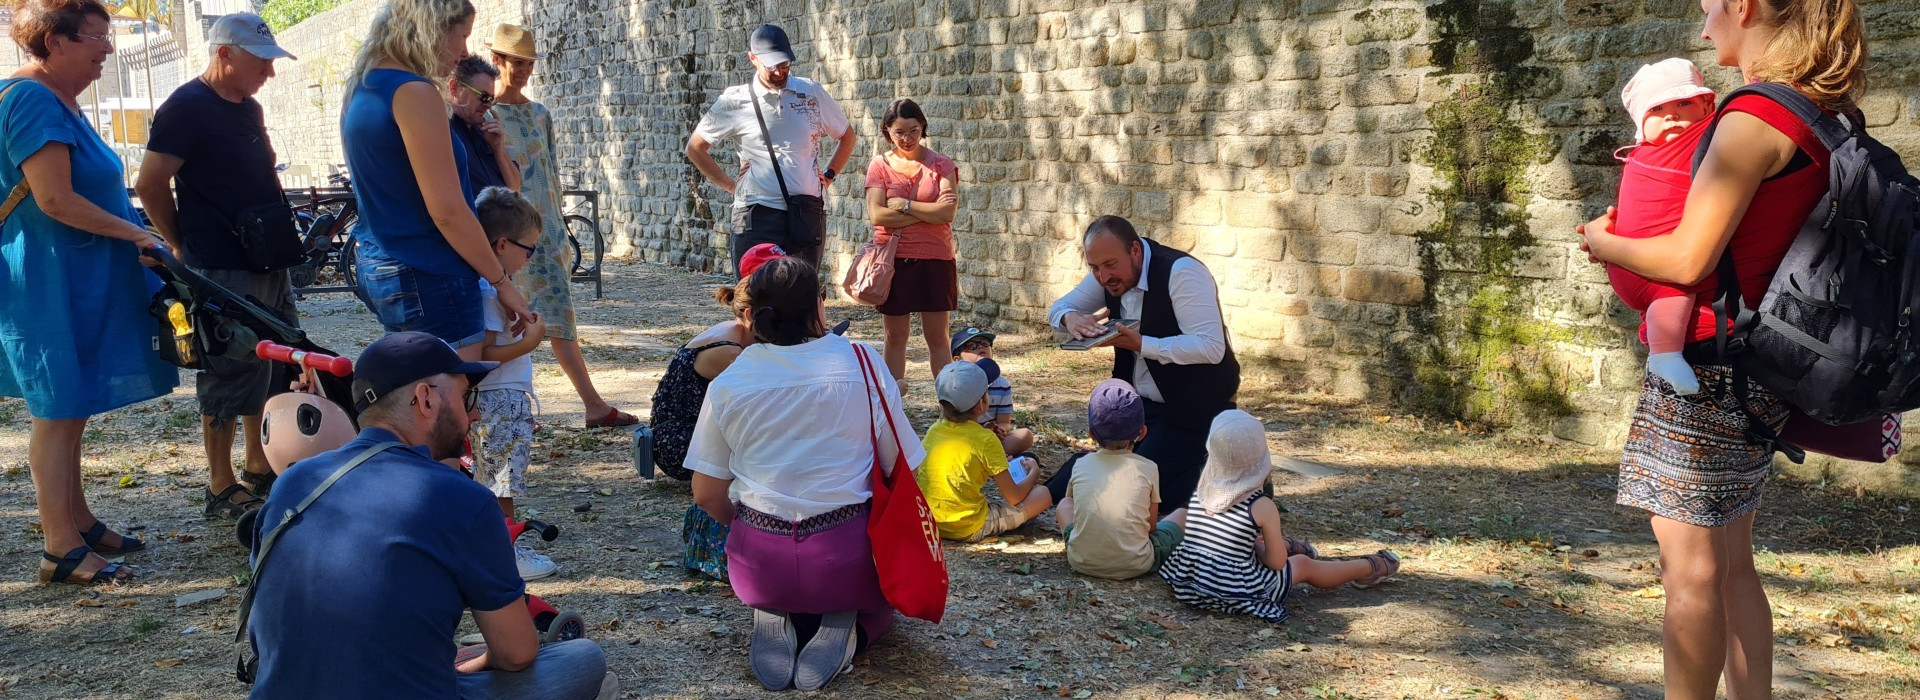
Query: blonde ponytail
[(1819, 47)]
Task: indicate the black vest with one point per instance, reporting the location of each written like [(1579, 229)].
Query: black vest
[(1191, 387)]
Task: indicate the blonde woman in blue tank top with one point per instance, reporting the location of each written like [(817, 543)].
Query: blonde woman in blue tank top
[(422, 253)]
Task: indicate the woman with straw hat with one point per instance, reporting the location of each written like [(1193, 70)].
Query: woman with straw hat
[(546, 278)]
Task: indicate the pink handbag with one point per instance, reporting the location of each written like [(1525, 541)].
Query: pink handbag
[(870, 278), (1876, 440)]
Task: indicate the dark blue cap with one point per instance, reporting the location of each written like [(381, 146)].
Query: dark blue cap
[(967, 334), (403, 358), (990, 367), (770, 45)]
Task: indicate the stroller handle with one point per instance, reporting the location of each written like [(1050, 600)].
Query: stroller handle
[(274, 352)]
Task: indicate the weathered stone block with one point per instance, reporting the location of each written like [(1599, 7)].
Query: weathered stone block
[(1384, 286), (1326, 250), (1597, 13), (1382, 24), (1263, 244)]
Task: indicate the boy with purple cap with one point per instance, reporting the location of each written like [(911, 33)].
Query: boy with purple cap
[(1112, 496), (962, 456)]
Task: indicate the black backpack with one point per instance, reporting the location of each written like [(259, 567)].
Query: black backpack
[(1834, 334)]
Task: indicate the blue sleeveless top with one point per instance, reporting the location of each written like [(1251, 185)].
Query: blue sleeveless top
[(394, 223)]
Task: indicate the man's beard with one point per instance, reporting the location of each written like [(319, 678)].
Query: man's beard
[(447, 439), (774, 82)]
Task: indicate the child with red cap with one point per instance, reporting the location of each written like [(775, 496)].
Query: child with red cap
[(1671, 107)]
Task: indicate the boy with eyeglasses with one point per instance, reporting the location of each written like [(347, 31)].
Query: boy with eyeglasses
[(976, 346)]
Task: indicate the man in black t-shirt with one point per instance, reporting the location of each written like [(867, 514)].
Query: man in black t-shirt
[(227, 217), (470, 95)]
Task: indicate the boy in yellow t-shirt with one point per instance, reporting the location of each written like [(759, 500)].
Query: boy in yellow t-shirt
[(963, 455)]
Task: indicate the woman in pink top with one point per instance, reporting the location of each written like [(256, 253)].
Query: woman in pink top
[(913, 192)]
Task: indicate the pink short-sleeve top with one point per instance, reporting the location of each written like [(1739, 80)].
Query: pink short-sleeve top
[(922, 240)]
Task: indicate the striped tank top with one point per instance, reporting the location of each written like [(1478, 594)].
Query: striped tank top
[(1215, 567)]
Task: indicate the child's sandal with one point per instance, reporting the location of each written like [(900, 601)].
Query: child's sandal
[(1384, 564), (1299, 545)]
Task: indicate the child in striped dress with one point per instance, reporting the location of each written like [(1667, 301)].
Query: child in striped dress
[(1235, 558)]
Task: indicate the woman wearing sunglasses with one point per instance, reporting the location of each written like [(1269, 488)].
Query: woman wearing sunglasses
[(470, 99)]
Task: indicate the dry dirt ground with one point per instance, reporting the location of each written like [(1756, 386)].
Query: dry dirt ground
[(1522, 579)]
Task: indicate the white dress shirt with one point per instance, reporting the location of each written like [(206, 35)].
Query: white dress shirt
[(791, 427), (797, 116), (1196, 305)]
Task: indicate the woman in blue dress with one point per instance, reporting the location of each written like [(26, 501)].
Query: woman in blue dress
[(422, 253), (75, 337)]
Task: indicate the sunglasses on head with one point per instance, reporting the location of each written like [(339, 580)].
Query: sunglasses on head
[(486, 98)]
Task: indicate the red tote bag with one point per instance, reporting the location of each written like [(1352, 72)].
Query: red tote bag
[(900, 526)]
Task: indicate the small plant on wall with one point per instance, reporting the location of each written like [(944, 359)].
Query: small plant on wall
[(281, 14)]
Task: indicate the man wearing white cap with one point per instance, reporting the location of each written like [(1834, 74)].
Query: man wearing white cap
[(208, 184), (793, 113)]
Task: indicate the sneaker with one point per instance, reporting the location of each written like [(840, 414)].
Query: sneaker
[(829, 653), (772, 652), (533, 564)]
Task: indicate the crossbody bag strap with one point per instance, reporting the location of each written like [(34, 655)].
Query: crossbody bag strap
[(20, 191), (273, 535), (765, 136), (873, 384)]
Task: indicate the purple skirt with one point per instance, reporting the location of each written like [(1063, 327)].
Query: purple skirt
[(817, 566)]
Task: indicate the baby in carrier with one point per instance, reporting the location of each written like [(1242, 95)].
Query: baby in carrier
[(1671, 108)]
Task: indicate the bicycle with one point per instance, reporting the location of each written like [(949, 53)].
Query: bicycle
[(326, 225)]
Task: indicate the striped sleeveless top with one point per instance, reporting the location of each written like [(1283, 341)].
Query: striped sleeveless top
[(1215, 567)]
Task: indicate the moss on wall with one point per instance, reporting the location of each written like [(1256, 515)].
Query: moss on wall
[(1487, 358)]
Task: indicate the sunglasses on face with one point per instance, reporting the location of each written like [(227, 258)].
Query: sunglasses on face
[(486, 98), (530, 249)]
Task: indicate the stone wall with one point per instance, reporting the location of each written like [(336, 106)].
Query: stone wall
[(1385, 191), (302, 101)]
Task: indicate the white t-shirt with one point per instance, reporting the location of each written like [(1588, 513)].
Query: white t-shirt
[(802, 114), (791, 427), (516, 373)]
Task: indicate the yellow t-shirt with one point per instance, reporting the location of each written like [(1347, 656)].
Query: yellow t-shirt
[(961, 459)]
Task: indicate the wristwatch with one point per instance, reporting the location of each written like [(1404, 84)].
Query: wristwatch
[(829, 174), (905, 205)]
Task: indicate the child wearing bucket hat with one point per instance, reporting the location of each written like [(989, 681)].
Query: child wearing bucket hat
[(1235, 558), (1671, 107), (962, 456)]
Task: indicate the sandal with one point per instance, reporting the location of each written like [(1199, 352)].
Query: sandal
[(614, 419), (63, 569), (260, 484), (1384, 564), (223, 506), (1299, 545), (94, 536)]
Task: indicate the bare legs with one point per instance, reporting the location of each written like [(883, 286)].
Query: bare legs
[(933, 325), (1717, 617), (53, 455), (574, 365)]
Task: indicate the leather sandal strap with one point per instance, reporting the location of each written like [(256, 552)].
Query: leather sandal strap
[(94, 534), (63, 566)]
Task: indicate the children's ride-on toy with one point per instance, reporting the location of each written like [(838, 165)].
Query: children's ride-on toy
[(299, 424), (554, 625)]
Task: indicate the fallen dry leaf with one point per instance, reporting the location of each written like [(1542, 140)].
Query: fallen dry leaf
[(1651, 592), (88, 603), (990, 644), (1511, 602), (1857, 576), (1165, 622), (168, 663), (126, 603)]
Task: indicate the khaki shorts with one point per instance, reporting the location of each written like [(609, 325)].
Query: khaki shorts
[(1165, 538), (1000, 518)]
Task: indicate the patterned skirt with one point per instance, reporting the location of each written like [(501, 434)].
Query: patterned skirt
[(706, 541), (1690, 459)]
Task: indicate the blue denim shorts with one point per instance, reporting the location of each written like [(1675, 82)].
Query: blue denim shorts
[(408, 299)]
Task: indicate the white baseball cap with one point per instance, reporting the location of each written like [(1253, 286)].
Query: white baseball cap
[(1656, 84), (247, 31)]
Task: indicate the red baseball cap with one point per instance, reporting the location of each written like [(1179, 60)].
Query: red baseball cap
[(759, 255)]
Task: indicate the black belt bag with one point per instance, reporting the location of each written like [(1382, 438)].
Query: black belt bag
[(268, 237)]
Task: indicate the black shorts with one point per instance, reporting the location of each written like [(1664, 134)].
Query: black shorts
[(759, 224)]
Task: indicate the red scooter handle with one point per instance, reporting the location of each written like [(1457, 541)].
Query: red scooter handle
[(274, 352)]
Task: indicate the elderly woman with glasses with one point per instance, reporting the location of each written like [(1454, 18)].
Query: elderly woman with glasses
[(75, 338)]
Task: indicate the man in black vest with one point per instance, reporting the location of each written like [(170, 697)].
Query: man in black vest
[(1179, 360)]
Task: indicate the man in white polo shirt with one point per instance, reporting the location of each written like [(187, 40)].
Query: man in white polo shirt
[(795, 112)]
